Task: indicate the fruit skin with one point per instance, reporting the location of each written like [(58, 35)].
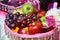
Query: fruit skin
[(41, 13), (35, 27), (15, 30), (27, 8), (23, 31)]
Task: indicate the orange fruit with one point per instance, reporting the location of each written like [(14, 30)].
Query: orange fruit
[(26, 30), (15, 30)]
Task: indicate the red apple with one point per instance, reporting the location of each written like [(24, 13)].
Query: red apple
[(41, 13), (35, 27), (23, 31), (37, 23)]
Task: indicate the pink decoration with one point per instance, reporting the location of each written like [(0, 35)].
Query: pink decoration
[(52, 5), (50, 21)]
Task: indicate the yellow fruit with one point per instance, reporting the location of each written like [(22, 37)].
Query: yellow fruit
[(14, 11), (20, 11), (15, 30), (26, 30)]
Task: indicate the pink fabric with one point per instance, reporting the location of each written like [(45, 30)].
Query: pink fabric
[(50, 21)]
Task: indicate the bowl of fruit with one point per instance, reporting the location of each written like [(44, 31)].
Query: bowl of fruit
[(27, 22)]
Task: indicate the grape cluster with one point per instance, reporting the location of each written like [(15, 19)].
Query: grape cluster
[(20, 20), (32, 17), (9, 20)]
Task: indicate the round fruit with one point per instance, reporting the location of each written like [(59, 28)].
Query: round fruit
[(27, 8), (41, 13), (33, 30), (12, 26), (11, 21), (23, 31), (35, 27)]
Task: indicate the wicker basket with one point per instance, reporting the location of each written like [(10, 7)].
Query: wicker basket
[(51, 35)]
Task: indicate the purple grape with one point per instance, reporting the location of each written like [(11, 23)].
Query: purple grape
[(20, 18), (29, 21), (17, 13), (25, 17), (7, 23), (19, 22), (11, 16), (24, 22), (33, 14), (14, 17), (34, 18), (29, 15), (11, 21), (32, 21), (7, 17), (21, 26), (13, 25)]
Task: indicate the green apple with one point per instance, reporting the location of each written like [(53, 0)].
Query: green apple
[(43, 20), (27, 8)]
